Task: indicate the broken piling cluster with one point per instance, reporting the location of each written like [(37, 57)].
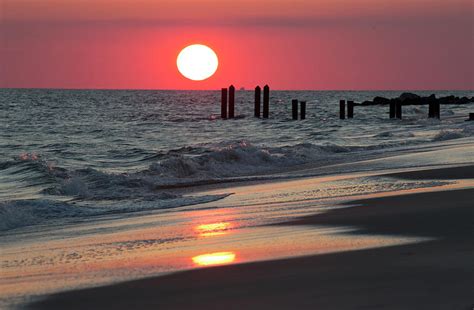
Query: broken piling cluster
[(395, 104)]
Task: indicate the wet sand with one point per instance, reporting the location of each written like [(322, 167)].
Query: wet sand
[(436, 274)]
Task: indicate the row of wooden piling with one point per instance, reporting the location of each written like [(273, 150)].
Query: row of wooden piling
[(342, 109), (266, 101), (230, 112), (294, 109), (228, 106), (395, 109)]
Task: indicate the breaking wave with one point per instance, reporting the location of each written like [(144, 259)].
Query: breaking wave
[(182, 167), (189, 166), (92, 192)]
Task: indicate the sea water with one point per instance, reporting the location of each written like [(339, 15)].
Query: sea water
[(109, 151)]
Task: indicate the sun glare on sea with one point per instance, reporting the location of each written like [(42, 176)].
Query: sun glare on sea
[(197, 62)]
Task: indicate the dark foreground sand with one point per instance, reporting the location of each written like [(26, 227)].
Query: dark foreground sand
[(437, 274), (463, 172)]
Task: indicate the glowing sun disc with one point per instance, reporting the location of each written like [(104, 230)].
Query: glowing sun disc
[(197, 62)]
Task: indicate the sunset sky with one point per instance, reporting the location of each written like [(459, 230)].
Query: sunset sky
[(289, 44)]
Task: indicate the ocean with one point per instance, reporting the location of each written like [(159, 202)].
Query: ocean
[(90, 163)]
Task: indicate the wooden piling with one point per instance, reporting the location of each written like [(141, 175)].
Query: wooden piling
[(258, 96), (342, 109), (350, 109), (392, 109), (224, 103), (231, 101), (471, 116), (266, 101), (431, 110), (303, 109), (437, 110), (398, 110), (294, 109)]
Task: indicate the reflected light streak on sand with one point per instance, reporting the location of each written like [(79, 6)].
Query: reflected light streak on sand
[(211, 259), (213, 229)]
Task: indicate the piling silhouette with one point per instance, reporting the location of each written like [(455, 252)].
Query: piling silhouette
[(266, 101), (398, 110), (258, 96), (350, 109), (294, 109), (342, 109), (303, 109), (392, 109), (224, 103), (231, 101)]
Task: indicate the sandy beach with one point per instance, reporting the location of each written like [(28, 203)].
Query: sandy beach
[(434, 274)]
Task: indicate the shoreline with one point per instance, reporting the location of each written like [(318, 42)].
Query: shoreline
[(430, 274), (346, 170)]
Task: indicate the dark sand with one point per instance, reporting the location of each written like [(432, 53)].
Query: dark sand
[(465, 172), (437, 274)]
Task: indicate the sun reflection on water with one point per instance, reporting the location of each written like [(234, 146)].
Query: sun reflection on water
[(210, 259), (213, 229)]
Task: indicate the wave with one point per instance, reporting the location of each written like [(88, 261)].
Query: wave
[(239, 159), (192, 165), (196, 165), (22, 213), (454, 134), (201, 164)]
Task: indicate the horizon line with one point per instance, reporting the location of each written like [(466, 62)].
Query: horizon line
[(218, 89)]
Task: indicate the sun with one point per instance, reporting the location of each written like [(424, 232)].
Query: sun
[(197, 62)]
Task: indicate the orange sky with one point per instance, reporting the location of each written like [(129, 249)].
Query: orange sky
[(302, 44)]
